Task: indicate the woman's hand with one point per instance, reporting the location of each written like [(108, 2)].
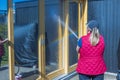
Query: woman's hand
[(6, 39), (77, 49)]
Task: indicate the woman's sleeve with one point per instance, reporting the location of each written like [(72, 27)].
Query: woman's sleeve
[(80, 42)]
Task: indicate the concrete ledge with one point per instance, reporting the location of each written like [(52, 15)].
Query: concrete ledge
[(112, 74), (74, 76)]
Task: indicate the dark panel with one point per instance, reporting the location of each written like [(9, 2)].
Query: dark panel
[(26, 12), (73, 25), (51, 28), (107, 13), (52, 12)]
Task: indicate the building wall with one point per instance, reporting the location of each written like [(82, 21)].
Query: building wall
[(3, 17), (107, 13), (27, 12)]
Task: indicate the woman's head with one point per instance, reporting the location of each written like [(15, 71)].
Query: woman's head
[(92, 24), (93, 28)]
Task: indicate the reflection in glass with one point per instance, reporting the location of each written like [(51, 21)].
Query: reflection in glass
[(25, 38), (72, 36), (51, 36)]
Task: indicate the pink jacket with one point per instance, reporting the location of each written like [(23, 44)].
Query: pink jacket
[(91, 60)]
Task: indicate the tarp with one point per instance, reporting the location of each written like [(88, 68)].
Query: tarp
[(25, 44)]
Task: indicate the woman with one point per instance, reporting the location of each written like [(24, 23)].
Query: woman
[(2, 48), (91, 64)]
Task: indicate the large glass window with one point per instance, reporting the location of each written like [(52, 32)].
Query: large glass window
[(26, 37), (73, 30), (52, 16)]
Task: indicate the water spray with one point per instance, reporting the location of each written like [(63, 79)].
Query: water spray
[(63, 24), (69, 29)]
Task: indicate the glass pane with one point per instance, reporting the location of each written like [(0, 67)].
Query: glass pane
[(51, 30), (3, 36), (25, 38), (73, 30)]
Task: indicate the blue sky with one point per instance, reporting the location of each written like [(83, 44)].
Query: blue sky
[(3, 3)]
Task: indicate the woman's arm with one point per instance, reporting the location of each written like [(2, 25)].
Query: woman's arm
[(77, 49), (79, 45), (3, 41)]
